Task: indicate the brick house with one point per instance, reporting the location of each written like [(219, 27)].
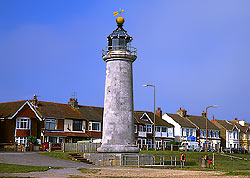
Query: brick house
[(164, 132), (57, 122), (18, 120), (48, 121)]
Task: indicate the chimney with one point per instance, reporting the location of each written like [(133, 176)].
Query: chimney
[(158, 112), (35, 101), (213, 121), (73, 102), (242, 122), (204, 114), (182, 112)]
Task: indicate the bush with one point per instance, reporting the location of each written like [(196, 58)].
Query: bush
[(32, 139)]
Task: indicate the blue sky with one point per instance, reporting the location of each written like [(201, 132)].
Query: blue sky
[(195, 52)]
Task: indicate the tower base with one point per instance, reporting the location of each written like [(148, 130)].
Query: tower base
[(119, 159), (118, 149)]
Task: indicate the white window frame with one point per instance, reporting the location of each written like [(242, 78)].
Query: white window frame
[(26, 120), (91, 127), (50, 121), (140, 128), (135, 128), (23, 139), (148, 128)]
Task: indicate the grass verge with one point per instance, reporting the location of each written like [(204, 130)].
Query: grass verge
[(14, 168), (57, 154)]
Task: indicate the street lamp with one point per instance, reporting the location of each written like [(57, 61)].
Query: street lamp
[(154, 114), (214, 106)]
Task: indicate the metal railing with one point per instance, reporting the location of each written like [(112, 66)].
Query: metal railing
[(128, 50), (157, 160)]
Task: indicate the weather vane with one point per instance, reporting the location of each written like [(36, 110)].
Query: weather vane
[(118, 12)]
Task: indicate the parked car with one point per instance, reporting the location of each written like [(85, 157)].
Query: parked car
[(55, 146), (189, 146), (242, 151), (227, 150)]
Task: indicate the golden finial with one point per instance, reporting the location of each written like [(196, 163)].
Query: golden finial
[(119, 20)]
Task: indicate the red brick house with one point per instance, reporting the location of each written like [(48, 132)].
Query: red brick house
[(49, 122)]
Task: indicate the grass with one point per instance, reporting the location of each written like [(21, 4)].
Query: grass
[(14, 168), (222, 163), (57, 154)]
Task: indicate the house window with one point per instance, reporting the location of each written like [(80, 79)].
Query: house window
[(140, 128), (135, 128), (170, 132), (164, 129), (205, 133), (158, 129), (191, 132), (95, 126), (213, 133), (217, 134), (209, 133), (244, 136), (21, 140), (234, 135), (149, 143), (187, 132), (51, 124), (23, 123), (248, 136), (77, 125), (201, 133), (148, 128)]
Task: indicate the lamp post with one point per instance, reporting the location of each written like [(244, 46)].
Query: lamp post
[(154, 114), (206, 122)]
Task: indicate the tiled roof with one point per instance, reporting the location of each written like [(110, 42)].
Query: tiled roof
[(183, 122), (224, 123), (91, 113), (242, 128), (158, 121), (57, 110), (10, 108), (200, 122)]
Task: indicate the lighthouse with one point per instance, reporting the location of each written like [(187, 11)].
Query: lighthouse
[(118, 114)]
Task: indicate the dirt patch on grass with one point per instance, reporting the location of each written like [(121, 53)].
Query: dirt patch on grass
[(144, 172)]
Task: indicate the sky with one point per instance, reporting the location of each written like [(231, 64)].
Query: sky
[(196, 53)]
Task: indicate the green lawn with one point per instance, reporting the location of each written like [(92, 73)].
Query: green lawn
[(14, 168), (222, 163), (57, 154)]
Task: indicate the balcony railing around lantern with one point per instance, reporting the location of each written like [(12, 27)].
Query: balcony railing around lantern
[(128, 50)]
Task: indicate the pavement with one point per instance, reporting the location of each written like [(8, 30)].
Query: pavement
[(35, 159)]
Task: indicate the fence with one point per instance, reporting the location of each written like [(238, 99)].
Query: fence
[(81, 147), (157, 160)]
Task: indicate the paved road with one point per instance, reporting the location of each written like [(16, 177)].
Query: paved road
[(35, 159)]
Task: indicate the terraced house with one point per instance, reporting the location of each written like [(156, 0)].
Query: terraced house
[(144, 122), (229, 133), (48, 121), (193, 128), (69, 123)]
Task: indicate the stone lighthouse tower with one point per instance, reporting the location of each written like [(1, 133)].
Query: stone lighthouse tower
[(118, 116)]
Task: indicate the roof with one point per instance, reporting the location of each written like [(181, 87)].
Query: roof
[(158, 120), (242, 128), (225, 124), (183, 122), (57, 110), (200, 122), (91, 113), (10, 108)]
